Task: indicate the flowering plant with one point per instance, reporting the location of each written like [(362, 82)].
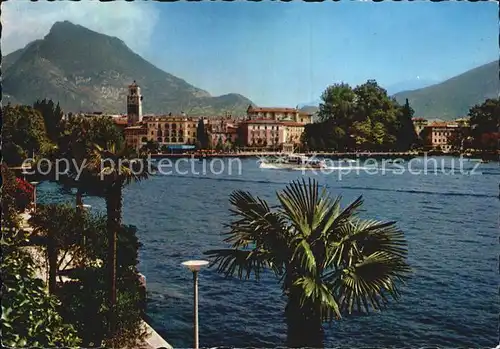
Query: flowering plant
[(24, 193)]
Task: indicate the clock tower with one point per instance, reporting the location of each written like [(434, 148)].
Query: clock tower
[(134, 104)]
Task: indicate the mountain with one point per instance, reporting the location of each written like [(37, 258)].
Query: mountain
[(409, 85), (454, 97), (88, 71)]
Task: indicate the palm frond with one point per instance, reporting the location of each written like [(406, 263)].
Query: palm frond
[(364, 286), (256, 223), (299, 201), (360, 238), (305, 256), (316, 292), (231, 262)]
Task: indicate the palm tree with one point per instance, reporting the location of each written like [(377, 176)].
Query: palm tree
[(116, 166), (329, 261)]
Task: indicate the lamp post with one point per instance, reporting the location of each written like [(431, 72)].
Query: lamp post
[(34, 184), (195, 266)]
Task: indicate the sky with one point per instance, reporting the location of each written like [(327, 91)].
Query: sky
[(277, 53)]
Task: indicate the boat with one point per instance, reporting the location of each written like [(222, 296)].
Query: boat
[(292, 162)]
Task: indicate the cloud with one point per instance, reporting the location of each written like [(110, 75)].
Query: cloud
[(23, 21)]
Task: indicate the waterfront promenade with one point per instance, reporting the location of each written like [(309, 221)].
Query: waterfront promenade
[(324, 154), (152, 341)]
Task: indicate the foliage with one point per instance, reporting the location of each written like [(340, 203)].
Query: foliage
[(85, 306), (77, 144), (407, 136), (116, 167), (152, 147), (23, 134), (164, 148), (454, 97), (484, 122), (330, 262), (10, 217), (29, 316), (202, 134), (363, 118), (85, 297), (24, 194), (108, 62), (52, 116), (62, 227)]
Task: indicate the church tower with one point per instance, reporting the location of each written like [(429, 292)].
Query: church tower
[(134, 104)]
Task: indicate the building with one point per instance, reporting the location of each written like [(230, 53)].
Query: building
[(134, 104), (443, 136), (222, 131), (121, 122), (171, 130), (279, 114), (292, 132), (261, 132), (135, 136)]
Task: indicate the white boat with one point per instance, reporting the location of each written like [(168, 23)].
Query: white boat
[(292, 162)]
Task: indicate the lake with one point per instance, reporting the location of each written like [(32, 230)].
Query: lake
[(450, 221)]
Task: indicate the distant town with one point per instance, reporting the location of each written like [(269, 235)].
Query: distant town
[(263, 128)]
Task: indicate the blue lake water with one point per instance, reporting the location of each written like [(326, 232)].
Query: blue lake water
[(450, 221)]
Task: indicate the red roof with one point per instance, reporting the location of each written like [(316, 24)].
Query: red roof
[(261, 121), (442, 124), (273, 110), (292, 123), (120, 121)]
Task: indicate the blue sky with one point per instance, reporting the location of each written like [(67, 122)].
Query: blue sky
[(283, 54)]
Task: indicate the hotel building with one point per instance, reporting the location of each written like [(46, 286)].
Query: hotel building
[(279, 114), (440, 135)]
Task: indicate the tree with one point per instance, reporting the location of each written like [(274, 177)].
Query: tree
[(337, 103), (407, 136), (202, 135), (220, 145), (484, 123), (23, 134), (29, 316), (85, 296), (329, 261), (52, 116), (164, 148), (116, 167), (59, 225), (151, 147), (363, 117), (76, 144)]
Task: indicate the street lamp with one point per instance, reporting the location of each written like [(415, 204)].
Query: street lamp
[(34, 184), (195, 266)]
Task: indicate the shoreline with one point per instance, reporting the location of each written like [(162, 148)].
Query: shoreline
[(351, 155)]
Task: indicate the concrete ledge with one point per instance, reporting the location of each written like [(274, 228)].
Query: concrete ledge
[(154, 340)]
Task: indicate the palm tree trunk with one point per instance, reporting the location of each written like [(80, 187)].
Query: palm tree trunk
[(114, 211), (304, 325), (79, 208), (79, 201), (52, 255)]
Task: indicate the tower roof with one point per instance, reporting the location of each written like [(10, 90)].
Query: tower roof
[(134, 84)]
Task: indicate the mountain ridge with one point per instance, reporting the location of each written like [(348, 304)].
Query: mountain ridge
[(94, 75), (454, 97)]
